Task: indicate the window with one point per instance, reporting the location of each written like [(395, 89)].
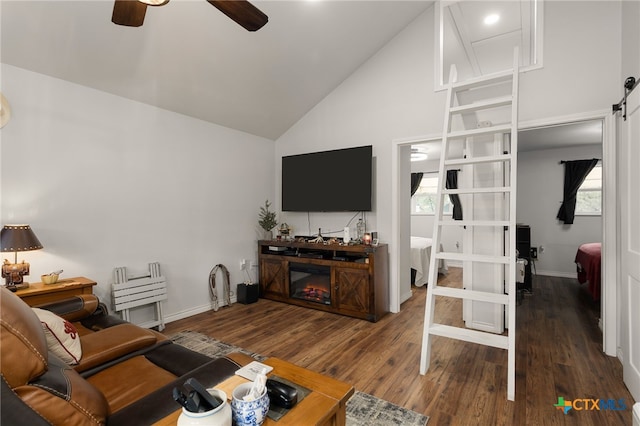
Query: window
[(424, 200), (589, 197)]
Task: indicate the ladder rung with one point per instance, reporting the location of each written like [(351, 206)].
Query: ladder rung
[(499, 223), (486, 104), (481, 296), (503, 128), (473, 257), (486, 80), (495, 189), (477, 160), (468, 335)]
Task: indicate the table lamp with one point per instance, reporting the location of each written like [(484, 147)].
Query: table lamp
[(17, 238)]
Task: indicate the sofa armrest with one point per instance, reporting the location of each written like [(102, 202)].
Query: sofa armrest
[(160, 403), (112, 343), (14, 411), (74, 308)]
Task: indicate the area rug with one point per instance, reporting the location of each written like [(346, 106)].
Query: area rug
[(362, 409)]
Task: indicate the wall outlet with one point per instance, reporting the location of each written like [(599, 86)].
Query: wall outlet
[(534, 252), (243, 264), (541, 249)]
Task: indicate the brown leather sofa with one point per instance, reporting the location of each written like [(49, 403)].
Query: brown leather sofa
[(125, 376)]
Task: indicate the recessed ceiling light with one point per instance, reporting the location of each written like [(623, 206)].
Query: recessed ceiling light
[(491, 19)]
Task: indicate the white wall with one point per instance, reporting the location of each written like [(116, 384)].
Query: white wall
[(582, 55), (107, 182), (382, 100), (391, 96), (540, 189), (630, 40)]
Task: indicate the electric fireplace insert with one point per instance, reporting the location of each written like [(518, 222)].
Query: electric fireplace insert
[(310, 282)]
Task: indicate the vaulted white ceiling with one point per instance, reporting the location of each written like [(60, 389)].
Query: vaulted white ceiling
[(191, 59)]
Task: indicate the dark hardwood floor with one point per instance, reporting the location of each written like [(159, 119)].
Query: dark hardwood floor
[(559, 354)]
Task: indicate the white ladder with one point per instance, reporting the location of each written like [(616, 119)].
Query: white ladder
[(481, 87)]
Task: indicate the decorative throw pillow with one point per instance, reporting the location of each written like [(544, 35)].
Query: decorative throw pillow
[(62, 337)]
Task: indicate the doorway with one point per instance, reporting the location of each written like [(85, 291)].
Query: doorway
[(399, 266)]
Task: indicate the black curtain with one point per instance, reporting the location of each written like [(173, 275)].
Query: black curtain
[(452, 183), (574, 174), (416, 178)]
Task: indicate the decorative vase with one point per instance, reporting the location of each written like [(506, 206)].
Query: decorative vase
[(268, 235), (219, 416), (249, 413)]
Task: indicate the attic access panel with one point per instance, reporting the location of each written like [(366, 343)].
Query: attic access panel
[(479, 49)]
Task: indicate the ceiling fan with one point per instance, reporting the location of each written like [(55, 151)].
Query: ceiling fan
[(131, 13)]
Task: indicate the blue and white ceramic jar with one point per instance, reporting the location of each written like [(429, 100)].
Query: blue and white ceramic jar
[(249, 413)]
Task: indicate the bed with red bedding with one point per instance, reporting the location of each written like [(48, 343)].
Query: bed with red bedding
[(588, 263)]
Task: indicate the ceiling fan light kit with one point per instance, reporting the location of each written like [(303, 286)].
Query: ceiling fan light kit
[(154, 2), (130, 13)]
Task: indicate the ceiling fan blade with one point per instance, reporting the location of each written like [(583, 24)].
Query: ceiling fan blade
[(243, 12), (129, 13)]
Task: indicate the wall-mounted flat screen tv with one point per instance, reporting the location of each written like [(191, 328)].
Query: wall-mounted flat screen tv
[(328, 181)]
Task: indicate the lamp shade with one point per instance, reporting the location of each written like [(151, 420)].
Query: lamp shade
[(16, 238)]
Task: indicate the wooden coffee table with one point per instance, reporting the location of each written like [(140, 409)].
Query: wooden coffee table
[(324, 406)]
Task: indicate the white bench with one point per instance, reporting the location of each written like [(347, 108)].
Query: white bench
[(132, 292)]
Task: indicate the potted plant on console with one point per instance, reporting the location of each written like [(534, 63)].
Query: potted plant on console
[(267, 220)]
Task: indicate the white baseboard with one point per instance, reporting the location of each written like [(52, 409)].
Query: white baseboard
[(556, 274), (188, 312)]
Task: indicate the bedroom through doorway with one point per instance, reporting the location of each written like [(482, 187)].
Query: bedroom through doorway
[(404, 220)]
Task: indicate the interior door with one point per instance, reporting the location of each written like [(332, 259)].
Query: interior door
[(489, 241), (630, 244)]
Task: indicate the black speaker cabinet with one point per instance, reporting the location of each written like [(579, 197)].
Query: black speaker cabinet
[(523, 245)]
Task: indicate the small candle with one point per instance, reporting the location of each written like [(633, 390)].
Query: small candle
[(367, 239)]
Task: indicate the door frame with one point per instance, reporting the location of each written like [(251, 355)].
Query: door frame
[(400, 210)]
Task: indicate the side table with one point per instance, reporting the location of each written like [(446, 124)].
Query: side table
[(40, 293)]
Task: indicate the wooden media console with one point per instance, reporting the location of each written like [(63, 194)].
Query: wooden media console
[(350, 280)]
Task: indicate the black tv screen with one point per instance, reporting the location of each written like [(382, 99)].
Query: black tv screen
[(328, 181)]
